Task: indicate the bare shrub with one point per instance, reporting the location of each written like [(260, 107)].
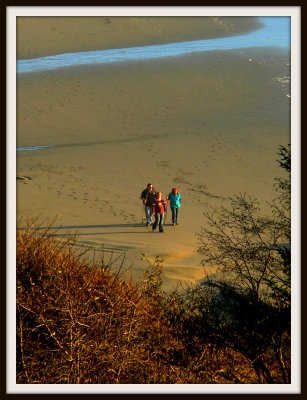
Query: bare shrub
[(250, 303), (81, 323)]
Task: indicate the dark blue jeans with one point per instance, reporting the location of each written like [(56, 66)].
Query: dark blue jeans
[(159, 218), (174, 214), (148, 212)]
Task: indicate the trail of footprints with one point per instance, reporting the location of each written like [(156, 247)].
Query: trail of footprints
[(88, 199)]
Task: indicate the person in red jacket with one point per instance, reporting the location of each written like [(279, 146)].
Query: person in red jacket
[(159, 206)]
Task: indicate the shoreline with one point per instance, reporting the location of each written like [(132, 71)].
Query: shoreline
[(268, 36)]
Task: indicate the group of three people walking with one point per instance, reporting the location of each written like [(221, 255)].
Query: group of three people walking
[(155, 205)]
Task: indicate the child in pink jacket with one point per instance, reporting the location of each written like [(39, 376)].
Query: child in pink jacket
[(159, 206)]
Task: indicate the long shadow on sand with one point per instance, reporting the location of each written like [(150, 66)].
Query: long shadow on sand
[(71, 230), (72, 227), (99, 233)]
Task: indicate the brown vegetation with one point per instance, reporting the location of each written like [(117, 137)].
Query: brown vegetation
[(81, 322)]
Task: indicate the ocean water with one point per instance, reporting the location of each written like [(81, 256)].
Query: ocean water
[(275, 33), (32, 148)]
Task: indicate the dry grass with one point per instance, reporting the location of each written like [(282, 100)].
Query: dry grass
[(80, 322)]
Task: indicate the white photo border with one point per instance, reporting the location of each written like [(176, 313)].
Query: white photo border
[(12, 12)]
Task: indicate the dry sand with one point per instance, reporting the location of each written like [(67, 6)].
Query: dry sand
[(209, 124)]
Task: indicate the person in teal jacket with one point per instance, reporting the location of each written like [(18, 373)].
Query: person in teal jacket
[(175, 202)]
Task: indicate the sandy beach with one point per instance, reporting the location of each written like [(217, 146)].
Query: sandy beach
[(207, 123)]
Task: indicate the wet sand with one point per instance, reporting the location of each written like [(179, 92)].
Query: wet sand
[(209, 124)]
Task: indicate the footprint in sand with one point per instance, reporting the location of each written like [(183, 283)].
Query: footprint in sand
[(113, 212), (133, 217)]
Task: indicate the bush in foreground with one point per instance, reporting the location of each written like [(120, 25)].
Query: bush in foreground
[(82, 322), (252, 293)]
